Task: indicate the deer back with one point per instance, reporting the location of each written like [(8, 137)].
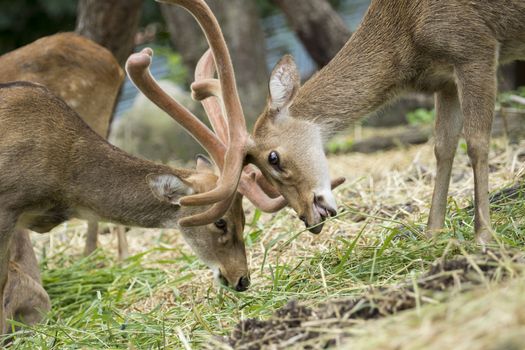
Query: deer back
[(84, 74)]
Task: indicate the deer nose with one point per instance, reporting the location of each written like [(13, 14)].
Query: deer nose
[(320, 201), (243, 284)]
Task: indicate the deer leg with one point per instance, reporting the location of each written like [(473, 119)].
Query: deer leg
[(447, 130), (25, 300), (7, 225), (123, 251), (91, 237), (477, 93)]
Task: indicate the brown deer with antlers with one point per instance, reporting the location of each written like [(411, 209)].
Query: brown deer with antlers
[(451, 48), (54, 167), (83, 74)]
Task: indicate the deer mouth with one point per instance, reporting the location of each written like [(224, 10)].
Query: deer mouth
[(320, 212)]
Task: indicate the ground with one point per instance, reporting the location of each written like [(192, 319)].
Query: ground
[(163, 297)]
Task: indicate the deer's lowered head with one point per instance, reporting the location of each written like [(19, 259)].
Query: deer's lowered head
[(299, 173), (220, 245)]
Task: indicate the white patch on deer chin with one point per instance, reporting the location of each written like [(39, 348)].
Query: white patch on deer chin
[(216, 275)]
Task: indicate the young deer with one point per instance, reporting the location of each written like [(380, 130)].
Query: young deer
[(450, 48), (83, 74)]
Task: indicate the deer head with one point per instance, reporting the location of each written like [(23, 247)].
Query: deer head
[(296, 166), (220, 245)]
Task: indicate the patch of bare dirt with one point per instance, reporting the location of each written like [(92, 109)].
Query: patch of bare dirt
[(296, 324)]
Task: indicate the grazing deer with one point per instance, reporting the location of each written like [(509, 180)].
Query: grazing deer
[(85, 75), (451, 48), (59, 168), (53, 167)]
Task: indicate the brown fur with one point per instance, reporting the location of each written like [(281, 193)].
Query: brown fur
[(54, 167), (84, 74), (451, 48), (25, 300)]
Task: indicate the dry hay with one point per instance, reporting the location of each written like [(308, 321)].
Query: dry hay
[(329, 323), (380, 188)]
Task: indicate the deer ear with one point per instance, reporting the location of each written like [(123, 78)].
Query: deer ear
[(167, 187), (284, 83), (204, 164)]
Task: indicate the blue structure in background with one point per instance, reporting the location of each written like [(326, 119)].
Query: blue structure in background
[(280, 40)]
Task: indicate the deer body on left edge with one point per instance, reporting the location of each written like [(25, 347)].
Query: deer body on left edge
[(53, 167), (83, 74)]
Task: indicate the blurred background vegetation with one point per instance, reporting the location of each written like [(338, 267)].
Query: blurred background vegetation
[(258, 33)]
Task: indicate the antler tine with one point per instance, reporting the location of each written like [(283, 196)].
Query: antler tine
[(208, 92), (216, 211), (249, 187), (238, 135), (259, 197), (137, 67)]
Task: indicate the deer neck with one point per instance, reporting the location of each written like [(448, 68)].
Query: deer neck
[(122, 195), (368, 72)]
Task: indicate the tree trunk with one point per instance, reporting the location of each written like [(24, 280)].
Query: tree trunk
[(318, 26), (242, 30), (511, 76), (112, 24)]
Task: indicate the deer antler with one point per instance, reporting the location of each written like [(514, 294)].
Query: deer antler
[(238, 135), (208, 91), (137, 67)]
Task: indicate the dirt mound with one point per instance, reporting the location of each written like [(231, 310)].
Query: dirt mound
[(318, 327)]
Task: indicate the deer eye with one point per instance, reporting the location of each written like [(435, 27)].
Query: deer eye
[(273, 159), (221, 224)]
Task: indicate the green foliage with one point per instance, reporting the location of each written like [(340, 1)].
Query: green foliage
[(504, 98), (266, 8), (24, 21), (420, 116), (178, 73), (339, 145)]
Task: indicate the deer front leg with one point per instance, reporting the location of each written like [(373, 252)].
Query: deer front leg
[(25, 300), (477, 93), (91, 237), (447, 130), (7, 226)]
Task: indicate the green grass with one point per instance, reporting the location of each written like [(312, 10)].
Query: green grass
[(164, 297), (93, 297)]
